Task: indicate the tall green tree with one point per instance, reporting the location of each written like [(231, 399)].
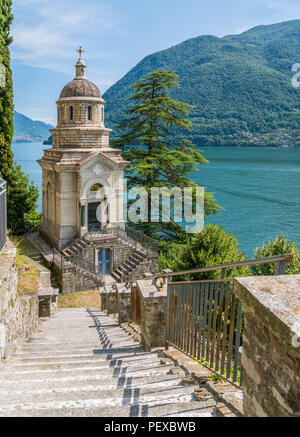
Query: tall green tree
[(279, 246), (149, 138), (211, 247), (22, 215), (6, 91)]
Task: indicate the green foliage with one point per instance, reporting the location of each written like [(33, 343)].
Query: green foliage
[(170, 255), (279, 246), (149, 141), (216, 378), (6, 92), (22, 197), (213, 246), (239, 86)]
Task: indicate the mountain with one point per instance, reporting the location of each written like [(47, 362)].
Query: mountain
[(28, 130), (240, 86)]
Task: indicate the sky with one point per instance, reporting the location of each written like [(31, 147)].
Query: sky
[(116, 35)]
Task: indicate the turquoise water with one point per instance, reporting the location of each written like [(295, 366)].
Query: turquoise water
[(258, 188)]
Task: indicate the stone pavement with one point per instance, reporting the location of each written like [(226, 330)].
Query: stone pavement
[(81, 363)]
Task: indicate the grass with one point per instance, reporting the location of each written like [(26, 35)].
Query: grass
[(28, 275), (24, 247), (84, 299)]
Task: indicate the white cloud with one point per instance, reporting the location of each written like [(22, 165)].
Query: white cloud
[(282, 6), (46, 32)]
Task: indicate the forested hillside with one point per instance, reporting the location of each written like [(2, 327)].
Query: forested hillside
[(240, 86), (27, 129)]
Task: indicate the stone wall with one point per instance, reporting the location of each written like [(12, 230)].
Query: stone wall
[(123, 299), (103, 299), (271, 346), (73, 282), (120, 251), (111, 300), (153, 314), (18, 314)]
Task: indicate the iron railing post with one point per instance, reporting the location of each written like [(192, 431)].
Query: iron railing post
[(280, 268)]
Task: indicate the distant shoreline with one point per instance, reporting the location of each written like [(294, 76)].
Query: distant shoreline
[(32, 140)]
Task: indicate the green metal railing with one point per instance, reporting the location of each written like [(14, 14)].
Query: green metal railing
[(205, 318)]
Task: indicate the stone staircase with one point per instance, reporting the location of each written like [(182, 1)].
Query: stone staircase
[(128, 269), (82, 364), (77, 247)]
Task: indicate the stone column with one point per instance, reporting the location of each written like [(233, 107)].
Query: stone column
[(153, 314), (103, 299), (271, 345), (111, 300), (123, 303), (48, 302)]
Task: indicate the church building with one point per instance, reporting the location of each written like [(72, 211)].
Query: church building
[(83, 190)]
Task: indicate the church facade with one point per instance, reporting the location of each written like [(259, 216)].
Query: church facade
[(83, 187)]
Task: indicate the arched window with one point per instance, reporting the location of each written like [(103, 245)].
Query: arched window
[(90, 112), (71, 113)]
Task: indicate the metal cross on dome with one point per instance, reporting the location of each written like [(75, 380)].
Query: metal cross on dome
[(80, 51)]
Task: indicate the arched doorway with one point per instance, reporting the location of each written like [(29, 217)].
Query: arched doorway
[(96, 193)]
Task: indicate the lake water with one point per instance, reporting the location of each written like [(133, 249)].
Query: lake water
[(259, 189)]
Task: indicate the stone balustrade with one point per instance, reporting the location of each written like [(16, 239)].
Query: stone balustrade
[(153, 313), (271, 345), (123, 302), (143, 304)]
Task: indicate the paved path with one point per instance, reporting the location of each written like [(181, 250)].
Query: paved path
[(81, 363)]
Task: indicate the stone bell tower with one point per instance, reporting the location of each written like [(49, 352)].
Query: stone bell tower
[(82, 176)]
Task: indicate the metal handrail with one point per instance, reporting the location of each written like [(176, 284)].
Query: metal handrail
[(131, 236), (272, 259)]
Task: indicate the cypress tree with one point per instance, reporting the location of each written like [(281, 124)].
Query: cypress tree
[(6, 91), (151, 138)]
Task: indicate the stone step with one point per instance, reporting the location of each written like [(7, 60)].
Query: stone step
[(72, 349), (141, 254), (90, 362), (137, 369), (95, 381), (98, 349), (132, 262), (129, 265), (92, 340), (122, 396), (138, 257), (83, 364), (35, 359), (112, 352), (116, 276), (94, 408)]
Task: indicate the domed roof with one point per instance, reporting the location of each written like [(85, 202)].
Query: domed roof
[(80, 87)]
